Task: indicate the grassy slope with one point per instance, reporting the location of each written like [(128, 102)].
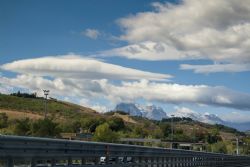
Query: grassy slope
[(18, 107), (36, 106)]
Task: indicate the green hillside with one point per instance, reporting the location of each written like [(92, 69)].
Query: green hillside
[(36, 105), (24, 115)]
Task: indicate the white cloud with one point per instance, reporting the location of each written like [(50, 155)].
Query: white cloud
[(73, 66), (151, 51), (134, 90), (216, 68), (193, 29), (5, 89), (97, 107), (238, 117), (91, 33), (100, 108), (177, 94)]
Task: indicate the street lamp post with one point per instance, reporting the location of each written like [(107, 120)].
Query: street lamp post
[(46, 93)]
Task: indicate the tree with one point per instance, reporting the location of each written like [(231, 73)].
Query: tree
[(140, 132), (157, 133), (45, 128), (246, 146), (3, 120), (70, 126), (22, 127), (90, 123), (103, 133), (116, 124), (25, 95), (213, 136), (166, 129), (219, 147)]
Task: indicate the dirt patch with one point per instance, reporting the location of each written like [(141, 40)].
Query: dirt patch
[(19, 114), (126, 118)]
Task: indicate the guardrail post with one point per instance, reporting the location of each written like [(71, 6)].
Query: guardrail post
[(183, 161), (10, 162), (158, 161), (140, 162), (69, 161), (33, 162), (187, 162), (83, 161), (171, 161), (134, 160), (107, 158), (164, 161), (153, 162), (53, 162), (96, 160), (146, 161)]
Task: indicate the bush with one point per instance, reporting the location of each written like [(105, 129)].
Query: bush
[(213, 136), (3, 120), (45, 128), (219, 147), (103, 133), (23, 127), (166, 129), (116, 124), (89, 124)]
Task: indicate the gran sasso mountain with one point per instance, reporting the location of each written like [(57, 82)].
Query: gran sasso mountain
[(150, 112), (157, 113)]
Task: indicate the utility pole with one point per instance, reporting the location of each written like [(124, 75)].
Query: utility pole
[(172, 130), (46, 93), (237, 145)]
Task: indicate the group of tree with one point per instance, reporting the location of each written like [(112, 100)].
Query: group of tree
[(105, 130), (25, 95), (40, 128), (27, 127), (111, 128)]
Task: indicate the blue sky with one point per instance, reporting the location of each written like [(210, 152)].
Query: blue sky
[(211, 39)]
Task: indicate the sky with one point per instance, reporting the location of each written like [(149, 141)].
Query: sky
[(175, 54)]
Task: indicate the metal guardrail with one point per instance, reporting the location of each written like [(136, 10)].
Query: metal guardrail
[(32, 151)]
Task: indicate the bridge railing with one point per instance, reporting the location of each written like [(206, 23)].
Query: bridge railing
[(32, 151)]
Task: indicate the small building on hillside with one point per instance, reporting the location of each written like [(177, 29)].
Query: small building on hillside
[(77, 136), (167, 144)]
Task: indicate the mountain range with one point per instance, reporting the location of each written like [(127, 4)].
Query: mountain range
[(151, 112), (157, 113)]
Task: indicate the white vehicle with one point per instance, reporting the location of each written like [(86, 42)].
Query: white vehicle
[(121, 160), (102, 160), (111, 160), (129, 160)]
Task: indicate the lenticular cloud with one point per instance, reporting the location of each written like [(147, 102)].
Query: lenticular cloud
[(78, 67)]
